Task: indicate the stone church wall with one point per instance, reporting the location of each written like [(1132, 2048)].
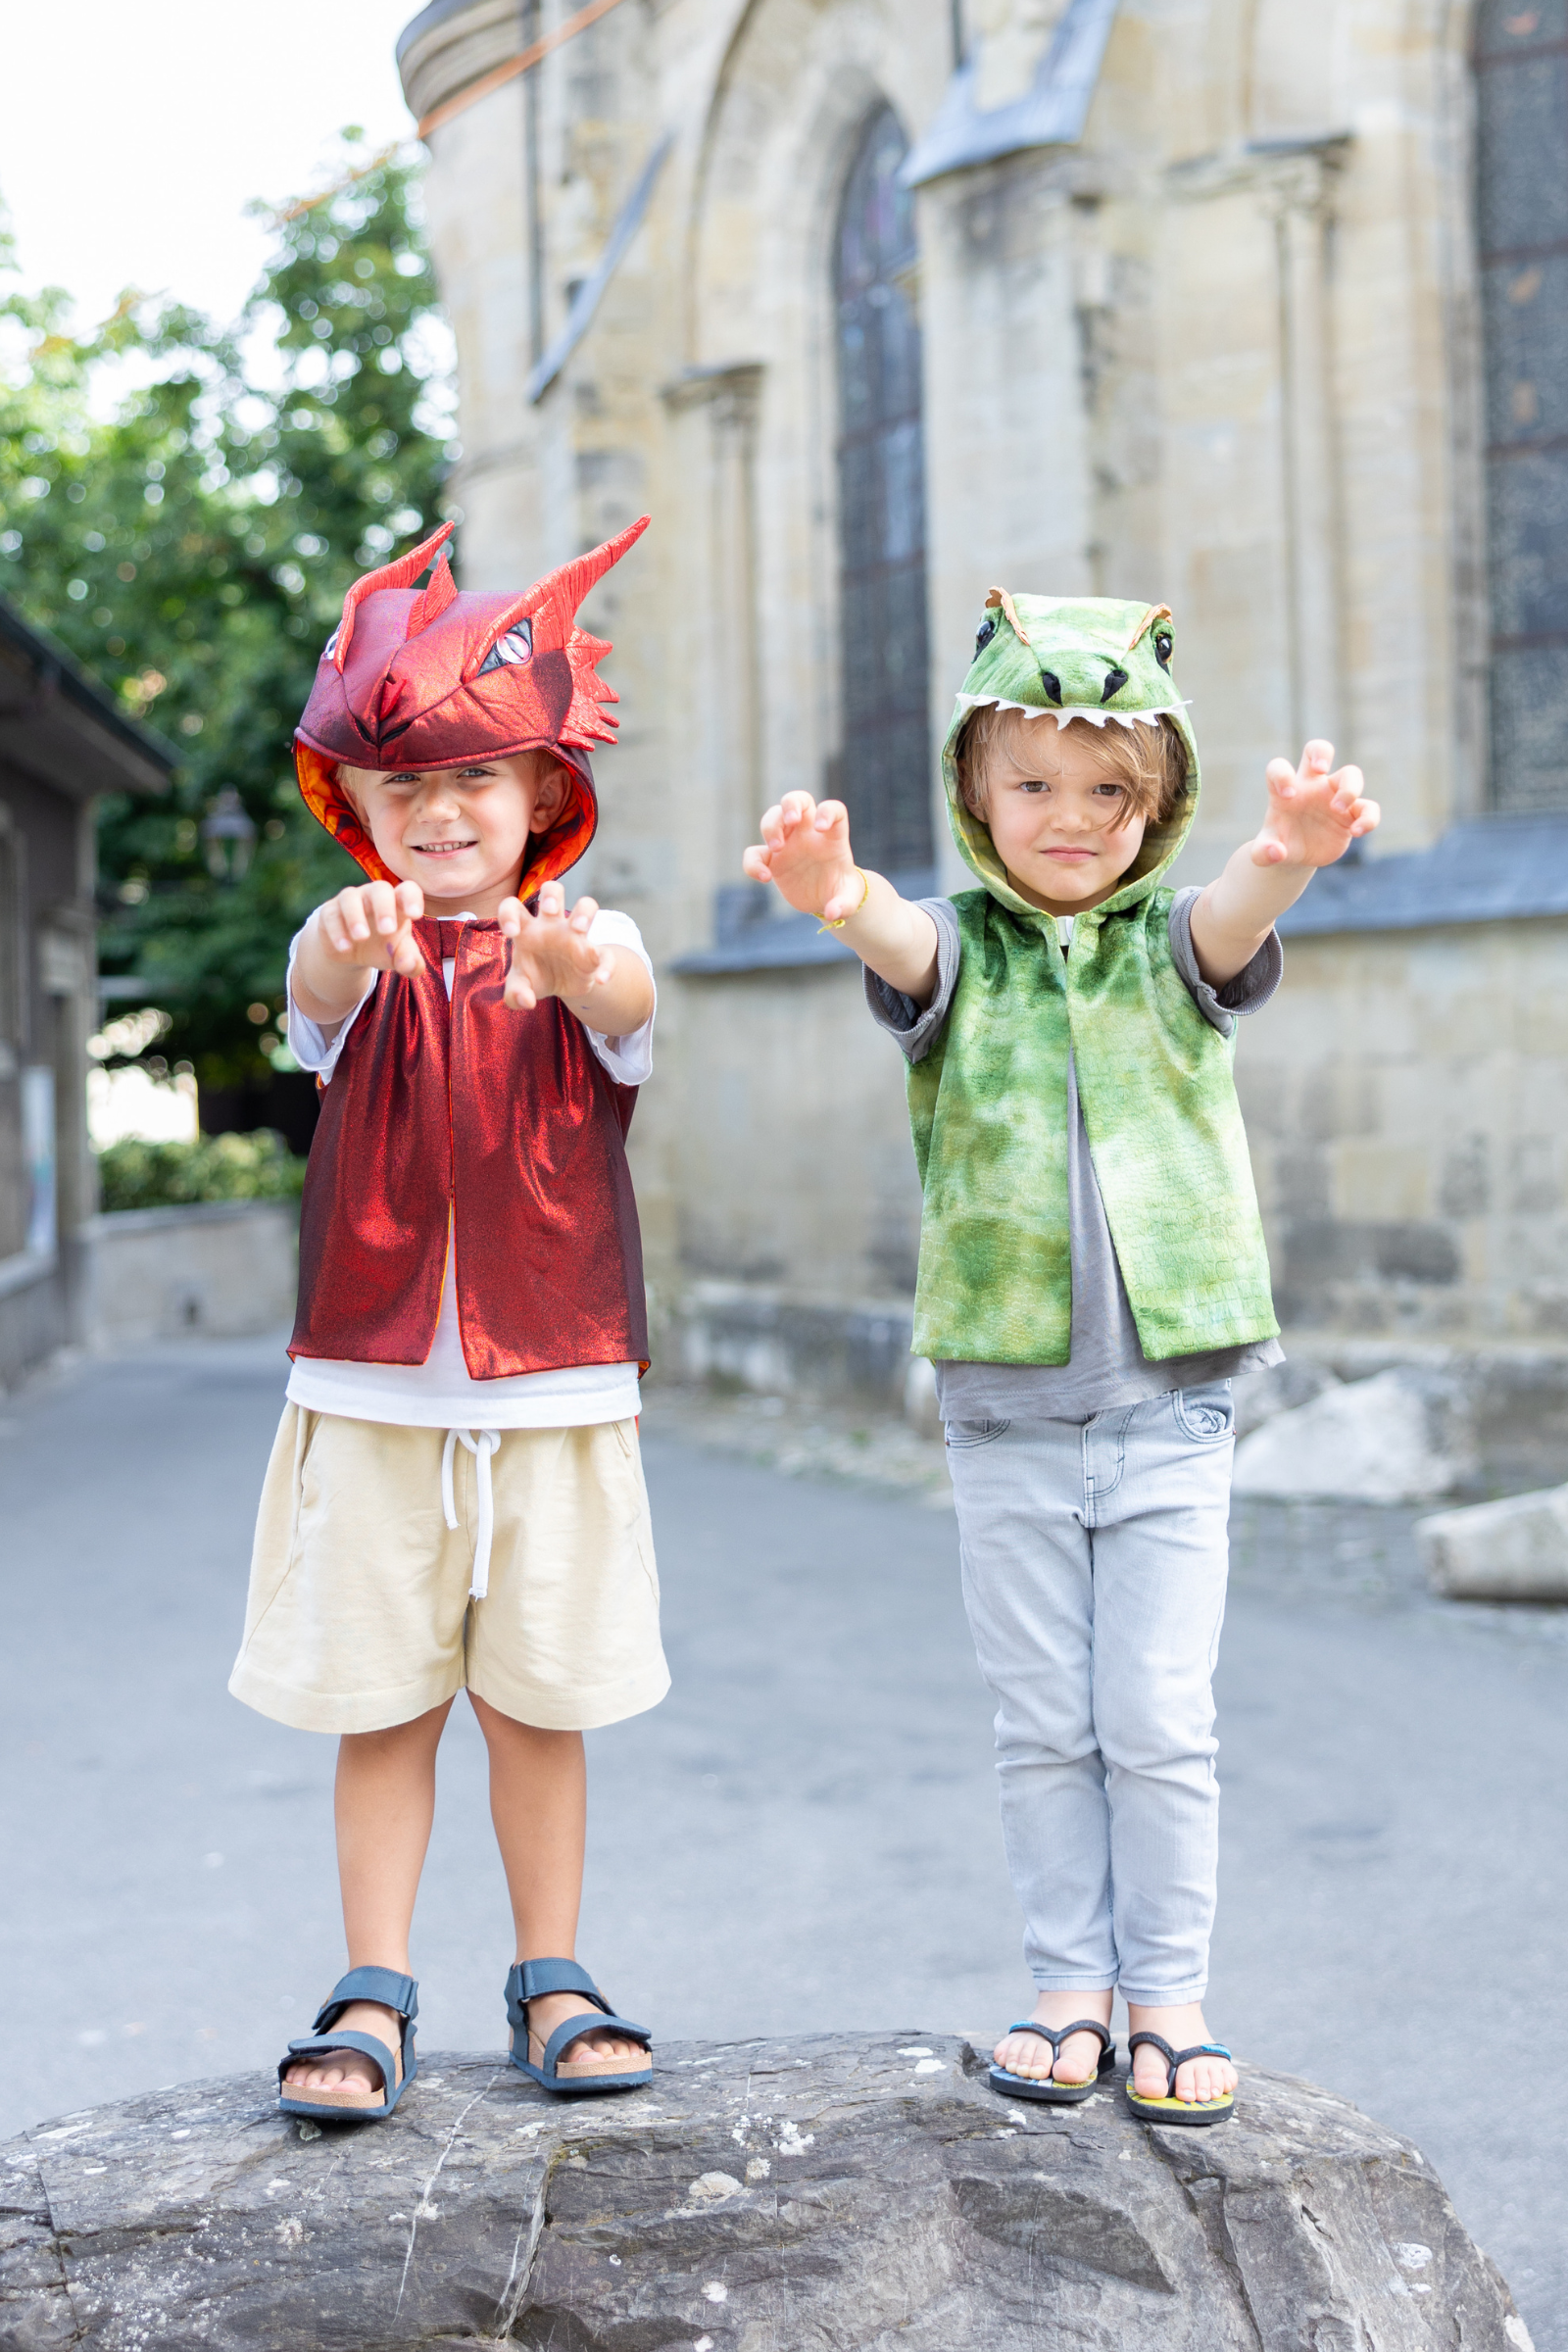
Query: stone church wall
[(1221, 350)]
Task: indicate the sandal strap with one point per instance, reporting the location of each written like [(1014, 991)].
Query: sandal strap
[(1062, 2033), (322, 2045), (383, 1986), (1175, 2060), (575, 2027), (529, 1978)]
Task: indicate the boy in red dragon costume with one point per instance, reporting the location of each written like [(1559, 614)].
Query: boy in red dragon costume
[(455, 1498)]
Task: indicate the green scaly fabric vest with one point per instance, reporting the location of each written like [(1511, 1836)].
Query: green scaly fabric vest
[(988, 1104)]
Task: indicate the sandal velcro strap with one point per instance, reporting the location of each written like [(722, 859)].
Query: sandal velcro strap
[(591, 2022), (383, 1986), (323, 2046), (531, 1978)]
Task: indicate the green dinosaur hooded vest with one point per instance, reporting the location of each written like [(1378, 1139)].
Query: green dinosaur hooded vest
[(988, 1104)]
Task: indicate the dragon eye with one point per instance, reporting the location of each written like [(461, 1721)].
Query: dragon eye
[(1164, 643), (987, 631), (516, 646)]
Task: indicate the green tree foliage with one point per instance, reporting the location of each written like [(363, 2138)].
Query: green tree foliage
[(192, 548)]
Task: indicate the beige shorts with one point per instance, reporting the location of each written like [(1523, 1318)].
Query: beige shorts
[(359, 1615)]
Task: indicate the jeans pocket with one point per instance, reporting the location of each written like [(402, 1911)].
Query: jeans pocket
[(1207, 1414), (969, 1434)]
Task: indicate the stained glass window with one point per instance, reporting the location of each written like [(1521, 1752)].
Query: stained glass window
[(887, 776), (1522, 163)]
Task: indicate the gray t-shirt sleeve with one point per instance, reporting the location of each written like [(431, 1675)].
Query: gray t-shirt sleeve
[(915, 1026), (1249, 992)]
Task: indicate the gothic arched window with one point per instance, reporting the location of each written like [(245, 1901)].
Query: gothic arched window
[(1521, 59), (887, 750)]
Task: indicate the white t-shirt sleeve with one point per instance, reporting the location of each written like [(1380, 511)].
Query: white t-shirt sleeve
[(628, 1059), (308, 1042)]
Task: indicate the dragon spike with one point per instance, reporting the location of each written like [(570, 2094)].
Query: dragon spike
[(400, 574), (1155, 613), (999, 596), (440, 591), (551, 603)]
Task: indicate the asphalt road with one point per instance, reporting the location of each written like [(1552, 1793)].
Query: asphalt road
[(804, 1835)]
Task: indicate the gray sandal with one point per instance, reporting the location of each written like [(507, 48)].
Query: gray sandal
[(398, 2067)]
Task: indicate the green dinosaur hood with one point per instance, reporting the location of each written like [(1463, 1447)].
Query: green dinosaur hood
[(1105, 660)]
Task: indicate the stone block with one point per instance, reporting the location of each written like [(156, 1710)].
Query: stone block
[(1396, 1437), (850, 2190), (1515, 1550)]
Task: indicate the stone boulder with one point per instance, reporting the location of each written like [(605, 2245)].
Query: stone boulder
[(1399, 1436), (1516, 1550), (853, 2190)]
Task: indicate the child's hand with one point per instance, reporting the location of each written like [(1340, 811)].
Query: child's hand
[(552, 954), (1312, 816), (371, 924), (805, 850)]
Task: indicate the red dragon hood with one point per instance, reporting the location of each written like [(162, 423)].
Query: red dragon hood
[(417, 680)]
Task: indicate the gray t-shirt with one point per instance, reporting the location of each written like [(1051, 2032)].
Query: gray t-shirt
[(1106, 1366)]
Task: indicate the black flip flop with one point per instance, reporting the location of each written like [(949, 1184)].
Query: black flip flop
[(1054, 2094), (1170, 2109)]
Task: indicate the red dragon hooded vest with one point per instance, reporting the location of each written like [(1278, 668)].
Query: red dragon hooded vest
[(503, 1127)]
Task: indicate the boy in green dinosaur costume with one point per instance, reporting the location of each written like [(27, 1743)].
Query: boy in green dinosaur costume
[(1092, 1276)]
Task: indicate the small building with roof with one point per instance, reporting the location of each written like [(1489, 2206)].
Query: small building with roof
[(64, 741)]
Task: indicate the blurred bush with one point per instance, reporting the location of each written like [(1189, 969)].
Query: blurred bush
[(216, 1167)]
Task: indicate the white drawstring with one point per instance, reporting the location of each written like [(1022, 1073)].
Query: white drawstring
[(482, 1444)]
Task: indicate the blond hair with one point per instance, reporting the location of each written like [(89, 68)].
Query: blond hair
[(1147, 764)]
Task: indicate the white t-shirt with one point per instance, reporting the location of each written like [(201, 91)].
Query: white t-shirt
[(440, 1393)]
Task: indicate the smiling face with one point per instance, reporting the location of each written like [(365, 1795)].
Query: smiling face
[(1065, 828), (461, 833)]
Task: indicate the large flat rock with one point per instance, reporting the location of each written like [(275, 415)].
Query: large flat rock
[(865, 2190)]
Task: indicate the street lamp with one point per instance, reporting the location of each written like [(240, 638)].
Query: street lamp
[(229, 836)]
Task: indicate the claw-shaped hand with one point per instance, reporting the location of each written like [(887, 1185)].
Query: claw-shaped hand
[(805, 850), (1313, 816), (552, 954), (371, 924)]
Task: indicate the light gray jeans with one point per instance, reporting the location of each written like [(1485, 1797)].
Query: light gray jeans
[(1094, 1556)]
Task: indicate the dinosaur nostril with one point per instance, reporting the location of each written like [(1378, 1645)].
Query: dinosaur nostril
[(1115, 680), (1051, 684)]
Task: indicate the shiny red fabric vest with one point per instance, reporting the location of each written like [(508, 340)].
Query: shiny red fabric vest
[(511, 1121)]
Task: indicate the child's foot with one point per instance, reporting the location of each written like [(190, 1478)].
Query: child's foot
[(548, 2010), (1027, 2055), (1200, 2079), (351, 2070)]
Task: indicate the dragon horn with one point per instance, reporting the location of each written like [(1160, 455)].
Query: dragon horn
[(400, 574), (551, 603)]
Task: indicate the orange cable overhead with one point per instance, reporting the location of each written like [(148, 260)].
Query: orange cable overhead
[(498, 75), (513, 66)]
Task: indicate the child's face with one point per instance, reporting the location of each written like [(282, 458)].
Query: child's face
[(1061, 826), (461, 833)]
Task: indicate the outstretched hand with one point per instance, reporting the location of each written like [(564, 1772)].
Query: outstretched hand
[(552, 954), (1313, 816), (805, 851), (370, 925)]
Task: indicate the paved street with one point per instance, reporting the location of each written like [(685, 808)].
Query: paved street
[(804, 1835)]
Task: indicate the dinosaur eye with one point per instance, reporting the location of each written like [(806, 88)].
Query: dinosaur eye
[(985, 633), (330, 647), (1115, 680), (1164, 643), (1051, 684), (516, 646)]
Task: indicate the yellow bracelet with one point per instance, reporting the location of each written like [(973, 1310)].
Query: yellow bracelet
[(866, 892)]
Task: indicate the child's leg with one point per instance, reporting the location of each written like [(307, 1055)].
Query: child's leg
[(1161, 1501), (384, 1803), (1028, 1586), (539, 1804)]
